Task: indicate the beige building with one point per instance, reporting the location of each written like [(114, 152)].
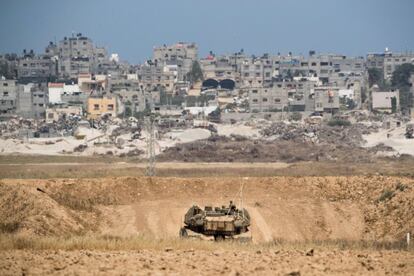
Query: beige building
[(89, 83), (100, 106), (53, 114), (382, 101)]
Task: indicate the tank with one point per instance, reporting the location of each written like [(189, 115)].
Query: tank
[(218, 222)]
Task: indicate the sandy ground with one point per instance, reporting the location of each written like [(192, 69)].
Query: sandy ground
[(238, 129), (97, 143), (393, 138), (282, 208), (194, 262), (288, 209)]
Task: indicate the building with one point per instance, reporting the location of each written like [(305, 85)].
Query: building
[(393, 60), (100, 106), (55, 113), (281, 96), (412, 95), (256, 72), (375, 60), (31, 101), (36, 68), (89, 83), (153, 75), (77, 55), (57, 90), (219, 68), (181, 54), (8, 94), (326, 99), (383, 101)]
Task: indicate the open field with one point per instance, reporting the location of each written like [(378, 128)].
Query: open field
[(72, 217), (44, 167)]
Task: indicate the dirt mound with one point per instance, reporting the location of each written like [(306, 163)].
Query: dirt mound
[(24, 209), (282, 208)]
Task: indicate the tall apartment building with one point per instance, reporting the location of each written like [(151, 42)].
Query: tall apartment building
[(77, 55), (7, 96), (154, 75), (36, 68), (218, 68), (256, 72), (181, 54)]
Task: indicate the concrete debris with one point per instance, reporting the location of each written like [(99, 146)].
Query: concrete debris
[(318, 134)]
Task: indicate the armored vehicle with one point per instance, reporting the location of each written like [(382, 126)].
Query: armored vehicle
[(218, 222)]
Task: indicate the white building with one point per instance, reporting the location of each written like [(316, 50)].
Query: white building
[(56, 90), (383, 100)]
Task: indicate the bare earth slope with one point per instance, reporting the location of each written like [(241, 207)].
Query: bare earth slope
[(282, 208)]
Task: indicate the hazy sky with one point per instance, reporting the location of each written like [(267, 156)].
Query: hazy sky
[(132, 27)]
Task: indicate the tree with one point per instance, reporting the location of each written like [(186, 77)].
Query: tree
[(375, 76), (196, 74), (401, 80), (394, 104)]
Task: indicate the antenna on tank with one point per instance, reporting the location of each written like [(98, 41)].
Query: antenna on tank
[(150, 128)]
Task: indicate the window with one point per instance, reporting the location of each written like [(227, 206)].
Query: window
[(324, 63), (254, 91), (313, 64), (110, 107), (255, 100), (277, 100), (41, 105), (5, 93), (5, 84), (96, 107), (264, 99)]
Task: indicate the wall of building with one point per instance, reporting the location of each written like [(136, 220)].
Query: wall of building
[(8, 91), (98, 107)]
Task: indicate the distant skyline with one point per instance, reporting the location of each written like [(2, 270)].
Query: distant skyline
[(132, 28)]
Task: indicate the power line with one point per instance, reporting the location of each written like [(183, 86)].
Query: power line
[(150, 128)]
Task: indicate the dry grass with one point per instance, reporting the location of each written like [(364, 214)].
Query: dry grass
[(99, 170), (112, 243)]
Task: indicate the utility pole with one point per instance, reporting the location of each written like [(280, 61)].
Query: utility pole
[(150, 128)]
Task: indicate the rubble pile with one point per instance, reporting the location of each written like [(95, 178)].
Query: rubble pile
[(318, 133), (28, 128)]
